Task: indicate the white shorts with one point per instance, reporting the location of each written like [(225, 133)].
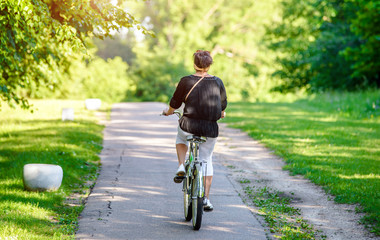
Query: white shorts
[(205, 150)]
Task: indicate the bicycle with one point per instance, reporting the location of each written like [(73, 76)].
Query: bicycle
[(193, 185)]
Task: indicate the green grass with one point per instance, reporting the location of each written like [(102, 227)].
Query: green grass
[(282, 219), (333, 139), (41, 137)]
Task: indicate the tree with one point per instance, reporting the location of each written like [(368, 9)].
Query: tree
[(38, 37), (327, 45), (291, 36), (365, 57), (232, 31)]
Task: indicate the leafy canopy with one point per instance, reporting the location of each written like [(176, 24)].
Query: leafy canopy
[(38, 38), (327, 45)]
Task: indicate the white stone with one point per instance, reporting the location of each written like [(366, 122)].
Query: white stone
[(68, 114), (93, 103), (42, 177)]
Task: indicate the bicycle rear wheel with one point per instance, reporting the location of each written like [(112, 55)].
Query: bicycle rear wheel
[(197, 211)]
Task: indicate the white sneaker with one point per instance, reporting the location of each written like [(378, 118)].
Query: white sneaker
[(180, 174), (207, 206), (181, 170)]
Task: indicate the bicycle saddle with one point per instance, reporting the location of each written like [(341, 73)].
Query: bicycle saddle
[(194, 138)]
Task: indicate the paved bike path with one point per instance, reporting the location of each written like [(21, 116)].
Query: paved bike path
[(135, 196)]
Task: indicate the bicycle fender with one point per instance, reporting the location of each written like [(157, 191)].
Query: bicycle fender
[(198, 187)]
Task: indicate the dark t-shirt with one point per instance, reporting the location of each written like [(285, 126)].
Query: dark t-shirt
[(203, 106)]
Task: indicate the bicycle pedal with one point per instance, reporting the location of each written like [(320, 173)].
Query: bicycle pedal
[(178, 179)]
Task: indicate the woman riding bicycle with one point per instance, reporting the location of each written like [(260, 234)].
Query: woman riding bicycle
[(205, 100)]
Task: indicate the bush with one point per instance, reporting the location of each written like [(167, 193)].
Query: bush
[(107, 80)]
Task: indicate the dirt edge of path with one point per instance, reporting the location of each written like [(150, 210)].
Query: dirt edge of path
[(248, 159)]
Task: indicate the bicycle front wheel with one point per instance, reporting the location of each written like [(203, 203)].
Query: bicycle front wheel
[(187, 200), (197, 211)]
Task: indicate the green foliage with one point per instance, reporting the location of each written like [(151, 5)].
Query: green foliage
[(107, 80), (43, 138), (232, 31), (365, 55), (283, 45), (38, 38), (312, 44), (289, 36), (28, 53), (154, 77), (325, 45), (119, 45), (332, 139)]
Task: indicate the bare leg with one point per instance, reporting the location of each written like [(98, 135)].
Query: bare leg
[(208, 181), (181, 153)]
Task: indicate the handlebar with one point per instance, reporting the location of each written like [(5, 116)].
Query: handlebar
[(176, 112), (179, 113)]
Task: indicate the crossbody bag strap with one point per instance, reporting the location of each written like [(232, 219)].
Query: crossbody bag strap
[(193, 87)]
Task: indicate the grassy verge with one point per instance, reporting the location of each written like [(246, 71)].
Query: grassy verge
[(41, 137), (332, 139), (283, 220)]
